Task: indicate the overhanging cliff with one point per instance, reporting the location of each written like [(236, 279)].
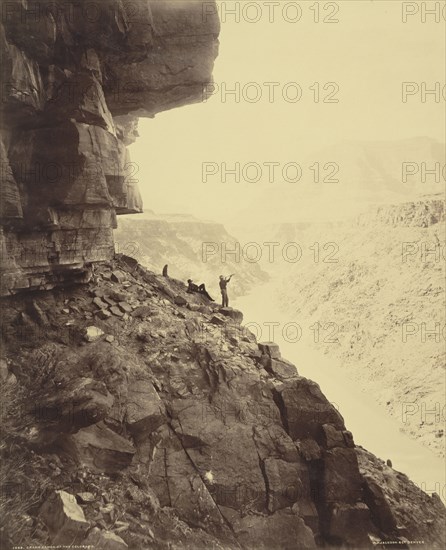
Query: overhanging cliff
[(76, 77)]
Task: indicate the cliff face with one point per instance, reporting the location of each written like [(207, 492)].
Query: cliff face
[(75, 78), (171, 427), (421, 213)]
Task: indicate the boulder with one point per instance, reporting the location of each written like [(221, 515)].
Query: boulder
[(110, 301), (378, 505), (93, 333), (342, 482), (101, 449), (234, 314), (117, 295), (125, 307), (64, 518), (165, 289), (279, 368), (118, 276), (306, 409), (141, 312), (145, 410), (180, 300), (332, 437), (218, 320), (98, 302), (117, 311), (271, 349), (83, 401)]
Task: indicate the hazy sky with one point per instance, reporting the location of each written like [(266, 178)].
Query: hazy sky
[(368, 54)]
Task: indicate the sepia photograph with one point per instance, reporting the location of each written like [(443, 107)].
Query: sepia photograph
[(223, 274)]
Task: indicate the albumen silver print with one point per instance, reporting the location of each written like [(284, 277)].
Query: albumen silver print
[(223, 253)]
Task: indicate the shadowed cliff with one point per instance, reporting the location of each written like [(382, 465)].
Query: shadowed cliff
[(75, 78)]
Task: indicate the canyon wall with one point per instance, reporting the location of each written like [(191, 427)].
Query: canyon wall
[(76, 77), (380, 286)]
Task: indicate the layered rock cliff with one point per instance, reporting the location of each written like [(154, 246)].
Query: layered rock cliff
[(139, 416), (76, 75)]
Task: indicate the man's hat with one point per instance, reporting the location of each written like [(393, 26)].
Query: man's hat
[(189, 280)]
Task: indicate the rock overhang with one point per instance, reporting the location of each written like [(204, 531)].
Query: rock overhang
[(76, 80)]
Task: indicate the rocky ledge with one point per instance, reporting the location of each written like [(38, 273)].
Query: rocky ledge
[(137, 415)]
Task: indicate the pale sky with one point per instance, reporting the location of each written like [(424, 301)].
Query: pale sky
[(368, 54)]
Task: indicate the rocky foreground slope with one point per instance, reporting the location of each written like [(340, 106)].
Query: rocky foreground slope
[(139, 416)]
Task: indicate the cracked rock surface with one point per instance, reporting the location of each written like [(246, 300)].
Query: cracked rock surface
[(181, 433)]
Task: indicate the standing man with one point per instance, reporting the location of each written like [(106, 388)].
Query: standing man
[(224, 293)]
